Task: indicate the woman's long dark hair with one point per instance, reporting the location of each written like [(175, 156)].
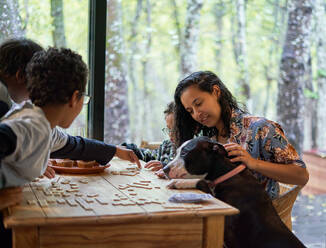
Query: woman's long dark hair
[(185, 126)]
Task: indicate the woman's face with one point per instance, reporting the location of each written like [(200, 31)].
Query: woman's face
[(203, 106)]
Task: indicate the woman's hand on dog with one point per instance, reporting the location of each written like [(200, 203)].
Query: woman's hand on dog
[(240, 155), (154, 165)]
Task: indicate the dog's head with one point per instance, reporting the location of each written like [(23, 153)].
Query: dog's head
[(199, 156)]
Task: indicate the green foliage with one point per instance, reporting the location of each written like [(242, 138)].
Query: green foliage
[(37, 16), (265, 29), (310, 94), (321, 73)]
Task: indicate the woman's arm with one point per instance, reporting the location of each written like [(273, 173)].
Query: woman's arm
[(272, 154), (284, 173)]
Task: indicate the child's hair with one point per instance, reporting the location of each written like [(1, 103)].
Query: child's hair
[(186, 127), (15, 54), (53, 76), (169, 109)]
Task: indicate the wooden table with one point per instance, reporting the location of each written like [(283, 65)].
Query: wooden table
[(145, 224)]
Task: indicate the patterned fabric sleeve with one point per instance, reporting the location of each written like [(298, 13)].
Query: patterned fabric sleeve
[(276, 147), (164, 153), (167, 152), (142, 153)]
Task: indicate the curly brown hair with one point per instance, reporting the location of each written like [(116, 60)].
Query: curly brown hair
[(54, 75)]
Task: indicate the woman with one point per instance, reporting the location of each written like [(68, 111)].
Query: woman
[(204, 106)]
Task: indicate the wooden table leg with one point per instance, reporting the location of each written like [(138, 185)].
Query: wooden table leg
[(26, 237), (213, 232)]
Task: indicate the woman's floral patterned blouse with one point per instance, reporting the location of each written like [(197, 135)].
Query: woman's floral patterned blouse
[(264, 140)]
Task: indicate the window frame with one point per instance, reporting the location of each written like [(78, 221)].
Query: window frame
[(96, 61)]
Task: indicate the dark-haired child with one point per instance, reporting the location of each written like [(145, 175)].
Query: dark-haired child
[(158, 158), (56, 85), (14, 56), (27, 132)]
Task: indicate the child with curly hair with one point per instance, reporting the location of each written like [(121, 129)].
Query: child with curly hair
[(56, 82)]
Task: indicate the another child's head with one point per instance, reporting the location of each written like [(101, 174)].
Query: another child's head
[(202, 102), (14, 56), (169, 120), (58, 77)]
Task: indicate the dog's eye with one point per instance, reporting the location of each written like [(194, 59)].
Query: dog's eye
[(183, 153)]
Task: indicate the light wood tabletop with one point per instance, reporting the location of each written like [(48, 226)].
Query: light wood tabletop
[(120, 207)]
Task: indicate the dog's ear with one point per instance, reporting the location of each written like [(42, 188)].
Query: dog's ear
[(217, 147)]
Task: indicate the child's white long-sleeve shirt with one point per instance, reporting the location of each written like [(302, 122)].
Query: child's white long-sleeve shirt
[(34, 143)]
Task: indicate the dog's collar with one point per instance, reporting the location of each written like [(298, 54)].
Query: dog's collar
[(228, 175)]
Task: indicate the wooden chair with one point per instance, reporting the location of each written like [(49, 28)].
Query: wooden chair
[(150, 145), (284, 203)]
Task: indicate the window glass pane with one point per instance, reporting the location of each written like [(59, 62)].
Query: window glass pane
[(50, 23), (151, 45)]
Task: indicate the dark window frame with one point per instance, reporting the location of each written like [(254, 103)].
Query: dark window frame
[(96, 61)]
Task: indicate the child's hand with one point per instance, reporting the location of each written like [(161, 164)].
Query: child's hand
[(160, 173), (10, 196), (49, 172), (154, 165), (127, 154)]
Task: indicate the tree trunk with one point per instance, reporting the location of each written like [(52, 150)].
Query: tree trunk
[(190, 37), (269, 80), (296, 50), (273, 53), (10, 20), (219, 12), (147, 121), (116, 126), (321, 73), (240, 52), (178, 30), (310, 110), (135, 114), (58, 32)]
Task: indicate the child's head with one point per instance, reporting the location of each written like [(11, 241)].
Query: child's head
[(57, 77), (169, 119), (14, 56)]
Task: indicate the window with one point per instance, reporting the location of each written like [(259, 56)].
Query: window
[(50, 23)]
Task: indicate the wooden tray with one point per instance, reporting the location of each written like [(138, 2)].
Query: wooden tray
[(77, 170)]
